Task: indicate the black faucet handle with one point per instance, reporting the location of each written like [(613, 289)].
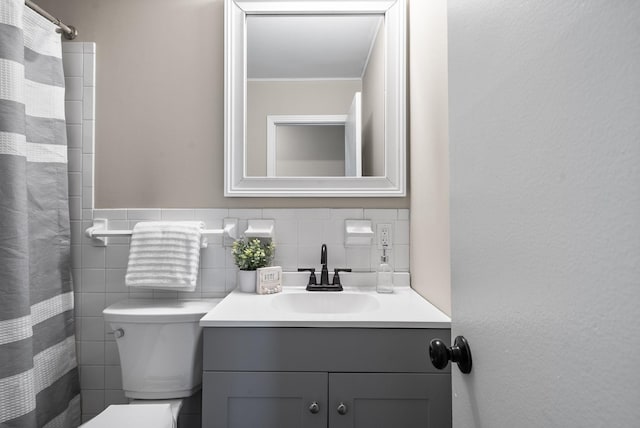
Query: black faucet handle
[(336, 276), (312, 276)]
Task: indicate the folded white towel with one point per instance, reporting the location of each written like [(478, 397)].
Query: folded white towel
[(165, 255)]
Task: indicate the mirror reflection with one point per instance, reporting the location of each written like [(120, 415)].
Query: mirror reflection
[(315, 95), (308, 150)]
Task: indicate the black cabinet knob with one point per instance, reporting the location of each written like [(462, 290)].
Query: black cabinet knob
[(459, 353), (314, 407), (342, 409)]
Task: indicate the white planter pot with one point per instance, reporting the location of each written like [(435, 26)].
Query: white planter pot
[(246, 280)]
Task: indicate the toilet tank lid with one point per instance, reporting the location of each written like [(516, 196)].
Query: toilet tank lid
[(158, 310)]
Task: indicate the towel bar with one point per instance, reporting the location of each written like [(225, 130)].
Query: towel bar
[(99, 232)]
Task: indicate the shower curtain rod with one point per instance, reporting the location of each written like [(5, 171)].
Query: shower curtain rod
[(68, 31)]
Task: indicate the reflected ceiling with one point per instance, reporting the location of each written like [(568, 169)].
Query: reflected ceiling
[(309, 47)]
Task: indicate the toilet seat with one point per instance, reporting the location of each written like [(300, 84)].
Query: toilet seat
[(152, 414)]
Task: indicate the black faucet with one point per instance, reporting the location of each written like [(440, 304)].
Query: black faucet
[(324, 275)]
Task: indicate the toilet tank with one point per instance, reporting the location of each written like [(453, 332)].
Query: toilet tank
[(160, 345)]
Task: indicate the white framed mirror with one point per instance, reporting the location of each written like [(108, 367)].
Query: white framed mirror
[(291, 65)]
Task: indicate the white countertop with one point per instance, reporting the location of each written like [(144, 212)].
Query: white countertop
[(404, 308)]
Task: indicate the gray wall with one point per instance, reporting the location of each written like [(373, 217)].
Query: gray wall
[(430, 262), (160, 105), (545, 210), (373, 110)]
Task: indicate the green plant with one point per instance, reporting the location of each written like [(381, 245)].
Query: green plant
[(252, 254)]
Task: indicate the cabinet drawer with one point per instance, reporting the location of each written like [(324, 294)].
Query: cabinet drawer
[(365, 350)]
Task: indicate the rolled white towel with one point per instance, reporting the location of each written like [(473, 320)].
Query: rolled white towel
[(165, 255)]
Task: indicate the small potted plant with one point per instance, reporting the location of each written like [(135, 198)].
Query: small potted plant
[(249, 255)]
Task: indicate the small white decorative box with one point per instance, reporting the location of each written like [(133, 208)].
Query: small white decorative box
[(269, 280)]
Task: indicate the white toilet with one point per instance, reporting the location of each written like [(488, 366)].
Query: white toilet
[(160, 347)]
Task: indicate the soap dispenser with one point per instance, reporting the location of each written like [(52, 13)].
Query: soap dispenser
[(384, 274)]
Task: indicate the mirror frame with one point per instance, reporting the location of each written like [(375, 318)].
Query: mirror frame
[(236, 182)]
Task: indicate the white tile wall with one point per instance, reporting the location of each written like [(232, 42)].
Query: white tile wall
[(299, 234), (99, 272)]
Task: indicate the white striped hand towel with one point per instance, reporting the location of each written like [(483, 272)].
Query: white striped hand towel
[(165, 255)]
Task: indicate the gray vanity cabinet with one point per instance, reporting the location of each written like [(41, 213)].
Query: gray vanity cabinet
[(323, 377)]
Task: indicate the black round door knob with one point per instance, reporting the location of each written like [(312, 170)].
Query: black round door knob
[(459, 353)]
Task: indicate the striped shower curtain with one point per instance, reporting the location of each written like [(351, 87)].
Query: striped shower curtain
[(38, 370)]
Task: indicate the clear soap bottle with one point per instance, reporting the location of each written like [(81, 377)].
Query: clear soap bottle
[(384, 274)]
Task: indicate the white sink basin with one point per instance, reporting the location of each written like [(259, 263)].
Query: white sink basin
[(323, 302)]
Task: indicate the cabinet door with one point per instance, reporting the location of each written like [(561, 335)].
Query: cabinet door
[(385, 400), (264, 400)]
